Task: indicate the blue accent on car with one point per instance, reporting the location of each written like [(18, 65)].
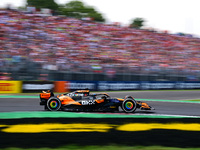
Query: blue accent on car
[(114, 100)]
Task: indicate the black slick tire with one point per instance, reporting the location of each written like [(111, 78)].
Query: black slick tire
[(53, 104), (129, 105)]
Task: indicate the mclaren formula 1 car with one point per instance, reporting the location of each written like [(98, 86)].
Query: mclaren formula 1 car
[(82, 100)]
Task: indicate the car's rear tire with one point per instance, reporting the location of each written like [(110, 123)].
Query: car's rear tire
[(53, 104), (129, 105)]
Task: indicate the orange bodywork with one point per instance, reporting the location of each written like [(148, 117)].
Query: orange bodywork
[(67, 100), (82, 97), (144, 105), (83, 91), (100, 100), (45, 95), (120, 99)]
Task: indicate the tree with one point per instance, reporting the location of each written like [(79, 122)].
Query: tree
[(78, 10), (51, 4), (137, 23)]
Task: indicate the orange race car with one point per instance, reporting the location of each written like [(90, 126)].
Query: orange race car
[(82, 100)]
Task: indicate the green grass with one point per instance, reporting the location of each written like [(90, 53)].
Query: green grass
[(195, 100), (73, 147)]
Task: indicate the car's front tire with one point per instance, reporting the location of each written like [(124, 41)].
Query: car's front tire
[(129, 105), (53, 104)]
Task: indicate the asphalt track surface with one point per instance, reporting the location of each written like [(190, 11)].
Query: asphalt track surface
[(161, 107)]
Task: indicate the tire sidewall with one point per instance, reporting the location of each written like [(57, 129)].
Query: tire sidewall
[(126, 109), (58, 102)]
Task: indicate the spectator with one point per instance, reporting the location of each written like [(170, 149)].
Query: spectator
[(68, 44)]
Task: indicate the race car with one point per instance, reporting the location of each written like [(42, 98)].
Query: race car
[(82, 100)]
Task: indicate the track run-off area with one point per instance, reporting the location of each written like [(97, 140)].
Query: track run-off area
[(175, 122)]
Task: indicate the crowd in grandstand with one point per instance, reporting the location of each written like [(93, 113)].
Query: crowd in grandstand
[(68, 44)]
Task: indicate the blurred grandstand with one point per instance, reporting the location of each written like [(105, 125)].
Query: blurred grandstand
[(45, 47)]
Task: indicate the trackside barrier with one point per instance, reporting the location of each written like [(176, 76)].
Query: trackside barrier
[(134, 85), (61, 86), (37, 86), (65, 86), (10, 86), (76, 85)]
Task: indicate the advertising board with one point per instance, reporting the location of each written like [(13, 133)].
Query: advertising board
[(61, 86), (80, 85), (37, 86), (10, 86)]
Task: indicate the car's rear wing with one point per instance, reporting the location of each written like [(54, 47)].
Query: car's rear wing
[(46, 94)]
